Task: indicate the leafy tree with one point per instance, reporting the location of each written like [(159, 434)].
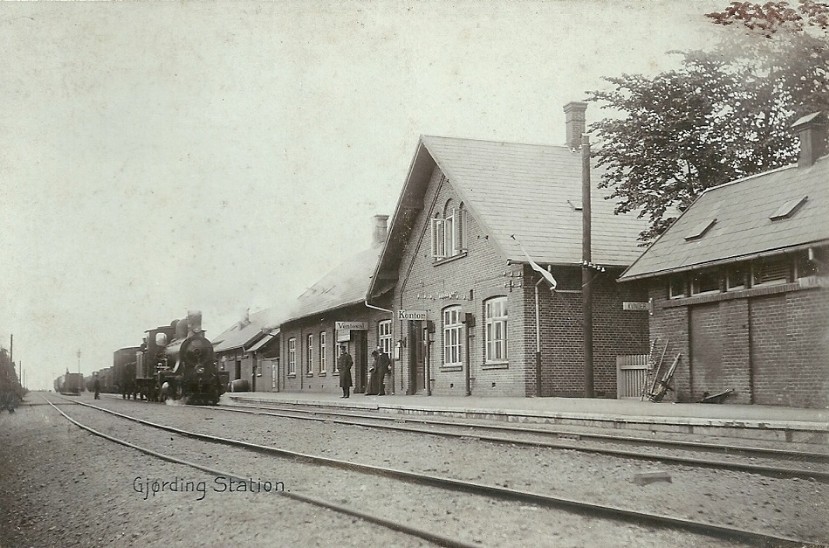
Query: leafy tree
[(724, 114)]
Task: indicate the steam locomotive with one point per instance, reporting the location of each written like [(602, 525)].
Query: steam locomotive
[(174, 362)]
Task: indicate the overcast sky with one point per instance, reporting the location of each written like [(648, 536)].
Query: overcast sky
[(160, 157)]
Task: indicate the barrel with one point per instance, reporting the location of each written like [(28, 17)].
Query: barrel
[(240, 385)]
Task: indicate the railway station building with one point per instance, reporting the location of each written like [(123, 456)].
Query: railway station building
[(739, 284), (249, 351), (475, 225), (334, 312)]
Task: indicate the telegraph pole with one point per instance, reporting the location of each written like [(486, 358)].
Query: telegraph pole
[(79, 360), (587, 259)]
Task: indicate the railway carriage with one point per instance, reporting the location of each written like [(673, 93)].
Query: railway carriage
[(69, 384)]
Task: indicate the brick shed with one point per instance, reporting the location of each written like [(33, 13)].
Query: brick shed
[(739, 284)]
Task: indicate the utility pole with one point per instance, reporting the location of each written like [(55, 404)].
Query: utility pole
[(587, 259), (79, 360)]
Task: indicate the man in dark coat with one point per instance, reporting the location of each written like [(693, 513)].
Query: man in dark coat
[(96, 385), (344, 364), (383, 365)]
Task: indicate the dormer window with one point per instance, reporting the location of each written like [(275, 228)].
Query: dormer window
[(699, 230), (449, 233), (788, 209)]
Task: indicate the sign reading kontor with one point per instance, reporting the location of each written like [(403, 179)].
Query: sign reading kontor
[(411, 315)]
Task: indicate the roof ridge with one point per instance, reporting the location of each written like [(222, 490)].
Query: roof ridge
[(427, 136), (761, 174)]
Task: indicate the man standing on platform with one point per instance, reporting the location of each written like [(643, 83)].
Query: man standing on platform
[(344, 364), (383, 365)]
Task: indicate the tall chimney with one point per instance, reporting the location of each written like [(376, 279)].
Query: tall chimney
[(812, 131), (381, 229), (575, 122)]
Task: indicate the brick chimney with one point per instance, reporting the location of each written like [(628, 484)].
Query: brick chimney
[(812, 131), (381, 229), (574, 122)]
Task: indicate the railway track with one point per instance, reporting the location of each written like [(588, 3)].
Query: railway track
[(688, 451), (493, 492)]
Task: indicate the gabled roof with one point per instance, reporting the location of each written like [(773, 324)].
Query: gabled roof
[(244, 334), (744, 227), (345, 285), (530, 191)]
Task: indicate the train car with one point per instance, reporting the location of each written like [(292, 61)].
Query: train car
[(69, 384), (123, 372), (177, 362), (11, 392)]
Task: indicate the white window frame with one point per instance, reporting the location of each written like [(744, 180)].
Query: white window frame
[(322, 352), (384, 336), (309, 365), (452, 336), (671, 294), (495, 330), (449, 234), (292, 356)]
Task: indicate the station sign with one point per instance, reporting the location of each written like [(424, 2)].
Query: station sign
[(638, 306), (413, 315), (351, 326)]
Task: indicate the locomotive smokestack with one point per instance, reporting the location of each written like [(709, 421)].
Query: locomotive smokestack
[(194, 321)]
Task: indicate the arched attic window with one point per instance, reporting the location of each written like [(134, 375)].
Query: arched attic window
[(449, 231)]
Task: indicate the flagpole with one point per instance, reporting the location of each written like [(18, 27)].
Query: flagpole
[(587, 259)]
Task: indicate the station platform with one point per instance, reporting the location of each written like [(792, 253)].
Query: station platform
[(761, 422)]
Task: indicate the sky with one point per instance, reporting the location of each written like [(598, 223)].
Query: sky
[(157, 158)]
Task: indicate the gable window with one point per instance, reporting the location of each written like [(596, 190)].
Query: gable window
[(496, 330), (677, 288), (705, 281), (384, 336), (322, 351), (452, 332), (771, 271), (310, 355), (292, 356), (736, 277), (449, 233)]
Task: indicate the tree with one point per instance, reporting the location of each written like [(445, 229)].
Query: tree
[(724, 114)]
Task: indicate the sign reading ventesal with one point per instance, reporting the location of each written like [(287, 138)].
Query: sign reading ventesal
[(351, 326), (411, 314)]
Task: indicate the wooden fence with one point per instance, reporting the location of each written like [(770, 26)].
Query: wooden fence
[(631, 375)]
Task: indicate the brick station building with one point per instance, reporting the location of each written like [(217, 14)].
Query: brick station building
[(463, 291), (739, 284), (333, 312)]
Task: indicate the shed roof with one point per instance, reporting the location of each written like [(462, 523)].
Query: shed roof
[(740, 213), (244, 334)]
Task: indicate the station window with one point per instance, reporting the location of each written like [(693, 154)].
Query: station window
[(449, 232), (452, 336), (677, 287), (496, 330), (309, 355), (322, 352), (292, 356), (384, 336), (771, 271), (737, 277), (705, 281)]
